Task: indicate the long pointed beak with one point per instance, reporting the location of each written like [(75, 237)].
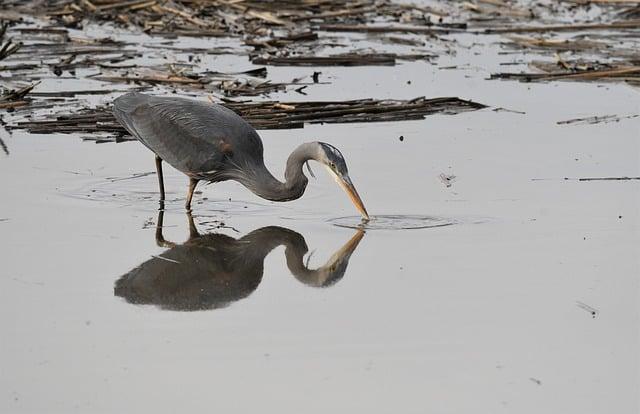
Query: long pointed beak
[(350, 189), (333, 269), (345, 251), (350, 246)]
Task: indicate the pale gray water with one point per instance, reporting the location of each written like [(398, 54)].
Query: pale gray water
[(464, 318), (393, 222)]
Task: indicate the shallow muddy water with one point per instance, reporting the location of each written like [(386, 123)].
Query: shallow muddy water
[(274, 308)]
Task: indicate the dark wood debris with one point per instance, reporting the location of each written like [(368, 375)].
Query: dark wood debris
[(597, 119), (5, 149), (347, 59), (264, 115), (592, 311), (576, 71), (566, 40), (607, 179)]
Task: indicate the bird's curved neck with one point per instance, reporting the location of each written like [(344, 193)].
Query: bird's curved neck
[(265, 185), (262, 241)]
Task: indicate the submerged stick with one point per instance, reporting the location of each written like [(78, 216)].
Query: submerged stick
[(4, 146)]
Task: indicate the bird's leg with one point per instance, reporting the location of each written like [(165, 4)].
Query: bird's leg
[(193, 231), (192, 186), (160, 177), (160, 241)]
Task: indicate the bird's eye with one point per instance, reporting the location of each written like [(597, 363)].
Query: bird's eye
[(332, 165)]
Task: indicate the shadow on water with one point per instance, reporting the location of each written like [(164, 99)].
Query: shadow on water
[(211, 271)]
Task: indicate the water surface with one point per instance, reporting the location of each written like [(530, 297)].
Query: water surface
[(393, 222), (459, 319)]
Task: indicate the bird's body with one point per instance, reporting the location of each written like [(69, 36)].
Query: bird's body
[(209, 142), (205, 137)]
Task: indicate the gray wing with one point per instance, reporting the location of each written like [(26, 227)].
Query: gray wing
[(197, 138)]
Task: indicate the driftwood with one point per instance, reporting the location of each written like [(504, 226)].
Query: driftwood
[(298, 33), (597, 119), (9, 47), (629, 73), (17, 94), (625, 24), (350, 59), (266, 115), (606, 179), (5, 149), (388, 29)]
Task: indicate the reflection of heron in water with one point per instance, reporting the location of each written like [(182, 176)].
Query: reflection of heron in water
[(210, 271)]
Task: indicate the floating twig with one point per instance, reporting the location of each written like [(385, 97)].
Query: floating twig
[(594, 312), (597, 119)]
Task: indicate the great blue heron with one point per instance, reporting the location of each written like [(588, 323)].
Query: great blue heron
[(210, 142), (210, 271)]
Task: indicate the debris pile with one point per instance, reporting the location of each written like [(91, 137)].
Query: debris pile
[(103, 127), (41, 43)]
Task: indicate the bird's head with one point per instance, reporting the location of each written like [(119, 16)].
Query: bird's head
[(333, 160)]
